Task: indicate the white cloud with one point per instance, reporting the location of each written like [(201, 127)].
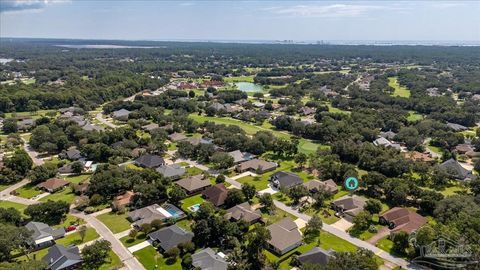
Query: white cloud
[(27, 5), (334, 10)]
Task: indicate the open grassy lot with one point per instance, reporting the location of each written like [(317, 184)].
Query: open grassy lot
[(66, 195), (75, 238), (193, 171), (335, 110), (151, 259), (329, 218), (308, 147), (116, 223), (385, 244), (28, 191), (113, 262), (435, 149), (277, 216), (34, 115), (18, 206), (400, 91), (187, 202), (69, 220)]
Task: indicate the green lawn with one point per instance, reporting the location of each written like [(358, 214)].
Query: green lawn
[(132, 166), (128, 241), (34, 115), (76, 179), (2, 187), (327, 219), (435, 149), (64, 195), (75, 238), (18, 206), (385, 244), (309, 147), (187, 202), (239, 79), (70, 220), (151, 259), (277, 216), (193, 171), (335, 110), (28, 191), (414, 116), (400, 91), (116, 223), (113, 262)]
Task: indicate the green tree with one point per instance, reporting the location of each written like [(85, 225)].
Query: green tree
[(176, 194), (249, 191), (361, 259), (266, 201), (234, 197), (220, 179), (297, 192), (300, 159), (257, 240), (43, 172), (20, 162), (82, 231), (222, 160), (77, 167), (10, 126), (314, 225), (362, 220), (94, 255), (400, 242), (12, 238), (50, 212), (373, 206)]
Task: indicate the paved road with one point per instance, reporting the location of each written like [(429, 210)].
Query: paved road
[(32, 153), (345, 236), (125, 256), (6, 192), (102, 120)]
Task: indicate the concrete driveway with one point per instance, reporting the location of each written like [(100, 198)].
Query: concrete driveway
[(342, 224)]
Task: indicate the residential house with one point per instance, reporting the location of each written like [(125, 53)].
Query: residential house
[(53, 184), (173, 171), (418, 156), (239, 156), (317, 256), (149, 161), (285, 236), (150, 127), (176, 137), (316, 185), (121, 115), (66, 169), (154, 212), (456, 170), (71, 154), (43, 235), (348, 206), (207, 259), (194, 184), (60, 257), (198, 141), (90, 127), (401, 219), (285, 180), (26, 124), (170, 237), (464, 148), (456, 127), (216, 194), (389, 135), (244, 212), (306, 110), (256, 165), (386, 143), (81, 188)]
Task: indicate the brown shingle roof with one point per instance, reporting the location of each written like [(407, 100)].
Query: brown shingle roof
[(329, 185), (243, 212), (53, 184), (216, 194), (193, 183), (404, 219), (284, 234)]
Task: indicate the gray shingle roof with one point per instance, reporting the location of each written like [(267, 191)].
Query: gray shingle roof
[(150, 161), (207, 260), (41, 230), (286, 179), (61, 257), (316, 256), (173, 170), (170, 237), (456, 170)]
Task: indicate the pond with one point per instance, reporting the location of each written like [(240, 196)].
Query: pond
[(249, 87)]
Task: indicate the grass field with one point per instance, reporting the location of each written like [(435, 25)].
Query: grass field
[(65, 195), (128, 241), (385, 244), (75, 239), (151, 259), (335, 110), (116, 223), (192, 171), (187, 202), (414, 116), (77, 178), (400, 91), (7, 204), (28, 191), (113, 262), (239, 79), (34, 115), (435, 149)]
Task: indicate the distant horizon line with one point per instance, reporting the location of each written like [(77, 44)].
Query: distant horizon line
[(379, 42)]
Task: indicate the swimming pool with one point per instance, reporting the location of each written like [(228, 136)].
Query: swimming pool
[(173, 210), (194, 208)]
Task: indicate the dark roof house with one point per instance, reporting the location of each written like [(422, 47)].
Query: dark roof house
[(154, 212), (349, 206), (71, 154), (216, 194), (239, 156), (207, 259), (149, 161), (317, 256), (170, 237), (121, 114), (257, 166), (285, 179), (455, 170), (60, 257), (53, 184), (316, 185)]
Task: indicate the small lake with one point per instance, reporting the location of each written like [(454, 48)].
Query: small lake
[(249, 87)]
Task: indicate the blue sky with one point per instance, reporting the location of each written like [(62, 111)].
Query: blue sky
[(242, 20)]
